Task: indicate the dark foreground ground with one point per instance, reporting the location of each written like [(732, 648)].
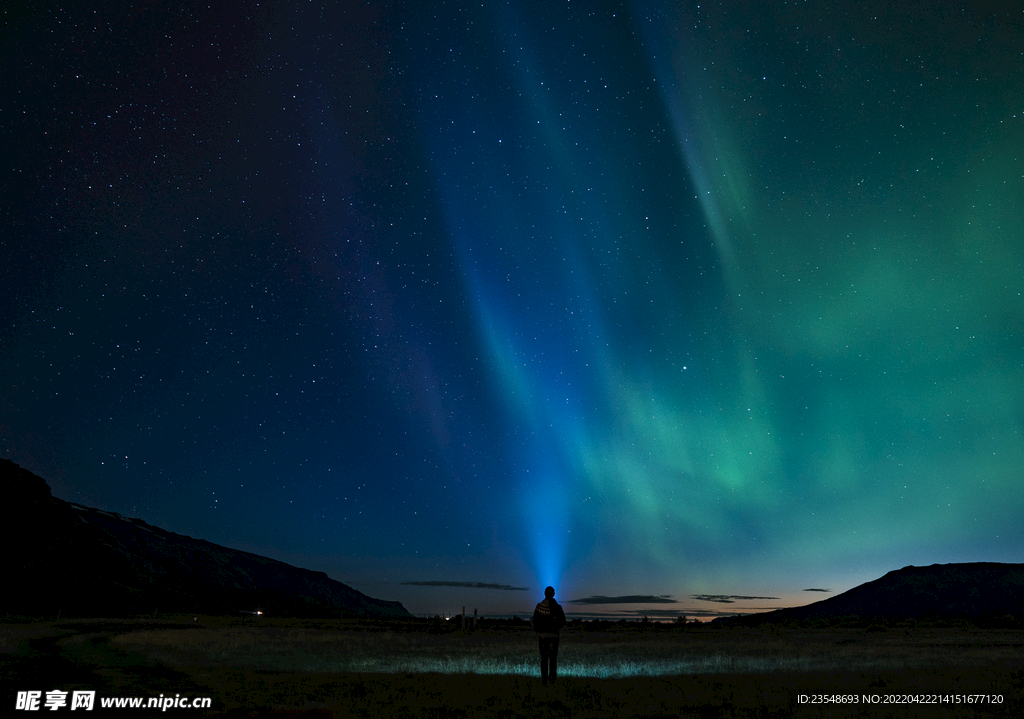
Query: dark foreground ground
[(291, 669)]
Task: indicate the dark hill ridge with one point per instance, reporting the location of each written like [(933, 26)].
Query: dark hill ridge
[(940, 592), (63, 557)]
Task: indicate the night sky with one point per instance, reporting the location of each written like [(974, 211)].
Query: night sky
[(691, 306)]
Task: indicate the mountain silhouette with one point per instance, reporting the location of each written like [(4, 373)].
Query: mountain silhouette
[(68, 559), (978, 591)]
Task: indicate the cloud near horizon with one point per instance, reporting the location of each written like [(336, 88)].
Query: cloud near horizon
[(661, 614), (627, 599), (724, 598), (467, 585), (656, 614), (814, 589)]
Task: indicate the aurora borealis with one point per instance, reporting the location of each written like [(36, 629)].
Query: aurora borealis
[(709, 304)]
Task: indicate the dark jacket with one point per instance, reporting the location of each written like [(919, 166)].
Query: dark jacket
[(548, 618)]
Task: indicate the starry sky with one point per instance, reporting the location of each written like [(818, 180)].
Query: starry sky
[(680, 307)]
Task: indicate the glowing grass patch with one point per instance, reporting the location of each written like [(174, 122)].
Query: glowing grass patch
[(596, 655), (610, 668)]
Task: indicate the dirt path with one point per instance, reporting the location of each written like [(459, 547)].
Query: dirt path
[(78, 656)]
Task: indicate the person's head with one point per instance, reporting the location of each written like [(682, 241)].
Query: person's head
[(549, 592)]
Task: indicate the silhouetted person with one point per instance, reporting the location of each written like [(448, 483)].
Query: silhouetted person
[(548, 620)]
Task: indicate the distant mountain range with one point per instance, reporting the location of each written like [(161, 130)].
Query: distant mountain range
[(985, 591), (61, 557)]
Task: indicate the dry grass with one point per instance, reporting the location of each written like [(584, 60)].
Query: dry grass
[(704, 696), (352, 670), (582, 654)]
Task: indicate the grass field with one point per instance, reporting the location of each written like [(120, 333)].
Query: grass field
[(257, 667)]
